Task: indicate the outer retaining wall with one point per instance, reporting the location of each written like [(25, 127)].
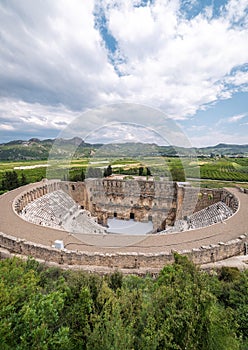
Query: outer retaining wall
[(203, 255)]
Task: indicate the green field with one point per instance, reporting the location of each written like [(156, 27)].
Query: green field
[(207, 172)]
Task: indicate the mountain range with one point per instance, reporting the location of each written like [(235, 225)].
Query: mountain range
[(35, 149)]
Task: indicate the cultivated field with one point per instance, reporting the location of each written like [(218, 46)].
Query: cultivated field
[(208, 172)]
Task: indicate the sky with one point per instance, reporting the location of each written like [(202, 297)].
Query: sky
[(188, 59)]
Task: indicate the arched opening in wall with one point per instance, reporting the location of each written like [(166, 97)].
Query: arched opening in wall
[(115, 215), (149, 217), (73, 187), (82, 206), (132, 216)]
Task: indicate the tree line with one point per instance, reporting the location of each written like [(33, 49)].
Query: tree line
[(181, 308), (10, 180)]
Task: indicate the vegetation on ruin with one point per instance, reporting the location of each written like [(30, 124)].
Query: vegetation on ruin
[(182, 308)]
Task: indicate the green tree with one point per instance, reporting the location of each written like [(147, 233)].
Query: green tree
[(29, 317), (108, 171), (109, 331), (82, 175), (188, 314), (141, 170), (78, 176), (23, 179), (177, 174), (183, 308), (148, 172), (10, 180), (234, 296), (115, 280), (40, 323)]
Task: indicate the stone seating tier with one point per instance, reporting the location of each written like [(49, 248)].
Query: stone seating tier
[(213, 214), (58, 210)]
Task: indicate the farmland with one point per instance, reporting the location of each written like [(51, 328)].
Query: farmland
[(208, 172)]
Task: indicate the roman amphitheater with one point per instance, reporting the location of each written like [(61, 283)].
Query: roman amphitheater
[(65, 223)]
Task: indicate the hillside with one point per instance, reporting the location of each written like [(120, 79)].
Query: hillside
[(225, 149), (35, 149)]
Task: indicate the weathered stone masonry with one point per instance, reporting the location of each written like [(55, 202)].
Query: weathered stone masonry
[(203, 255)]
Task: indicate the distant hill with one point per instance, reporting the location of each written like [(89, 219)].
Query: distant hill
[(224, 149), (35, 149)]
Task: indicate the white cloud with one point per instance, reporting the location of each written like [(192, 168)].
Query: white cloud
[(54, 62), (236, 10), (20, 114), (176, 63), (236, 118), (238, 79), (52, 53), (124, 132)]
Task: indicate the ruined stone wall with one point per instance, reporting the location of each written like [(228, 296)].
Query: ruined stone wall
[(125, 199), (208, 197), (191, 200), (200, 256), (187, 198), (108, 198), (77, 190)]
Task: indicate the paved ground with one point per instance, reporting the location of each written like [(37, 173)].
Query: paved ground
[(12, 224)]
